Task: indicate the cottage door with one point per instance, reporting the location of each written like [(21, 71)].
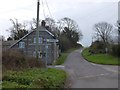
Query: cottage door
[(49, 54)]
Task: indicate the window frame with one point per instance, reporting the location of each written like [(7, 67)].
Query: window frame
[(40, 40), (21, 44)]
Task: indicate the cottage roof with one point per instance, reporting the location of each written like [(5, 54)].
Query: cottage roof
[(8, 43), (40, 29)]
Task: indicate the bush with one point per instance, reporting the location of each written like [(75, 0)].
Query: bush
[(97, 47), (116, 50), (13, 85), (35, 78), (14, 60), (64, 43)]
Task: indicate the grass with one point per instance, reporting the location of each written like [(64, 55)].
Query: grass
[(34, 78), (61, 59), (105, 59)]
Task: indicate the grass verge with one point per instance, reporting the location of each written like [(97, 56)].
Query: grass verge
[(34, 78), (61, 59), (105, 59)]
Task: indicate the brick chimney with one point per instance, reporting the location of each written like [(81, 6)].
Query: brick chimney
[(43, 23)]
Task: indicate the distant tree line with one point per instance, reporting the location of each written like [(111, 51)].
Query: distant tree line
[(104, 42)]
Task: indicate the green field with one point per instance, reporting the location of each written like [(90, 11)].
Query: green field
[(100, 58), (34, 78)]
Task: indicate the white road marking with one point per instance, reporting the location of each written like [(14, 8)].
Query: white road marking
[(60, 66), (91, 76), (107, 68), (93, 64)]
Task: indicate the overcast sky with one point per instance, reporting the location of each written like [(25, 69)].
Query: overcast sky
[(85, 12)]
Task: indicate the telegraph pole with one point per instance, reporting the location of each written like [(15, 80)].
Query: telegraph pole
[(37, 31), (118, 22)]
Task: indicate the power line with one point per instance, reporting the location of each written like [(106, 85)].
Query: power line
[(48, 9), (43, 8)]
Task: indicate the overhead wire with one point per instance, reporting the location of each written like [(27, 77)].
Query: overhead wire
[(43, 9), (86, 16), (48, 9)]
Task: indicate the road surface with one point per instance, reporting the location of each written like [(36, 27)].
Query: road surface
[(83, 74)]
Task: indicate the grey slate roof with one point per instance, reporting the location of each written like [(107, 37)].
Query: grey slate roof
[(40, 29), (8, 43)]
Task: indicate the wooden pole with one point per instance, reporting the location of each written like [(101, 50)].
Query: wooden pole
[(37, 31)]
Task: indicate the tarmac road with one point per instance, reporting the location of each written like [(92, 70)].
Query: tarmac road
[(83, 74)]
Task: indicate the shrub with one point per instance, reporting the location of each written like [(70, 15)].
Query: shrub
[(65, 43), (116, 50), (14, 60), (97, 47), (33, 62), (13, 85), (35, 78)]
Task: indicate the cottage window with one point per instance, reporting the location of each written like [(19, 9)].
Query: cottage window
[(40, 40), (21, 44), (34, 40), (34, 54)]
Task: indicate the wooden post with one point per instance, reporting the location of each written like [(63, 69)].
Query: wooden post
[(37, 31)]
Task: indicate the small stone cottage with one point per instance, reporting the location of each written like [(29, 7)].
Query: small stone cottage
[(48, 45)]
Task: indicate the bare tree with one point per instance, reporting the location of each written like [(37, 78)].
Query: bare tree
[(52, 26), (70, 33), (69, 23), (33, 23), (103, 31), (50, 22), (118, 31), (18, 30), (71, 28)]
